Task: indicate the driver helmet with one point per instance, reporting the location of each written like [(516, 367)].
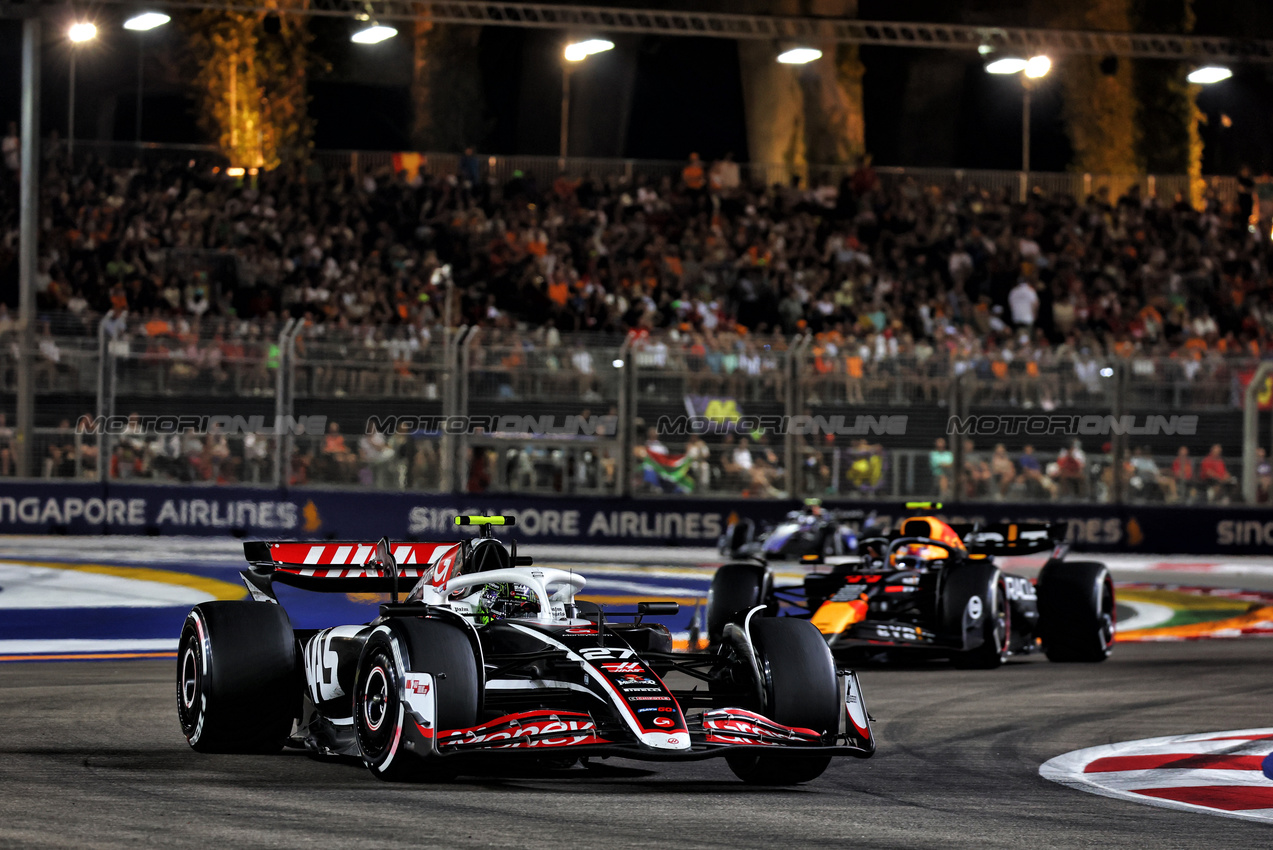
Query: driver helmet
[(935, 529)]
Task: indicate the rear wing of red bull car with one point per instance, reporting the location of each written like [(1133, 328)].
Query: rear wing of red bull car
[(1004, 538)]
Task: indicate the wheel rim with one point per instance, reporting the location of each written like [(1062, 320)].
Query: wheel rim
[(375, 708), (1106, 617), (375, 699), (1002, 622), (189, 678)]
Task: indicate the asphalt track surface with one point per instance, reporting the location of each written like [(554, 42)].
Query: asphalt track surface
[(91, 755)]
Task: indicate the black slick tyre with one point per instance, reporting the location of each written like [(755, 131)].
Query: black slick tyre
[(1076, 611), (735, 590), (974, 606), (802, 691), (380, 715), (996, 630), (238, 688)]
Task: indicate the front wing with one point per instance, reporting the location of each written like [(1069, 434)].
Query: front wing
[(712, 733)]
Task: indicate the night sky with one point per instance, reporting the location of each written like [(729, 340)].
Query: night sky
[(651, 97)]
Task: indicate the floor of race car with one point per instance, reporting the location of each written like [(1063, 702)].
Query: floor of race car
[(91, 755)]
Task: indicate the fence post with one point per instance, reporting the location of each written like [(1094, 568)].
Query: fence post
[(1118, 452), (631, 381), (105, 396), (626, 407), (958, 406), (457, 485), (794, 404), (451, 379), (1251, 429), (284, 386)]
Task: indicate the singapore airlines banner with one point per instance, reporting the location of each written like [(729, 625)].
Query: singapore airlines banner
[(264, 513)]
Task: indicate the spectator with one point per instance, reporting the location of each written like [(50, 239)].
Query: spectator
[(1182, 475), (1147, 481), (700, 468), (940, 461), (1002, 470), (1024, 301), (692, 174), (1036, 484), (11, 149), (1071, 483), (1214, 476), (1263, 477)]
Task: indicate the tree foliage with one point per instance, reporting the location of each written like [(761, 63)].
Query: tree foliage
[(250, 83), (1100, 99)]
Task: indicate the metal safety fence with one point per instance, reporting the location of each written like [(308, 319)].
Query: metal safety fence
[(476, 410)]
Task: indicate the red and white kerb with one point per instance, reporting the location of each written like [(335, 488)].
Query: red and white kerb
[(1218, 773)]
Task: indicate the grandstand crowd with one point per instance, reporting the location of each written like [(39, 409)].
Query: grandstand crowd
[(713, 271)]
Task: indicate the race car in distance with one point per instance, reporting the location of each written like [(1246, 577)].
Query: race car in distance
[(812, 530), (490, 657), (933, 588)]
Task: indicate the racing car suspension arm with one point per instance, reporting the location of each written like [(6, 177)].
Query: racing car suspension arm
[(506, 664), (680, 663)]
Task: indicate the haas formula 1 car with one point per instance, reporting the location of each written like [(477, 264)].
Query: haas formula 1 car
[(934, 588), (491, 657)]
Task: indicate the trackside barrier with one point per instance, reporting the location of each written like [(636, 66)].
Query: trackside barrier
[(149, 509)]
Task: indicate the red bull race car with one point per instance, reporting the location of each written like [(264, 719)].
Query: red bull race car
[(490, 657), (935, 589)]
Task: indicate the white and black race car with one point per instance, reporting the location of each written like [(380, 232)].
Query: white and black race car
[(491, 657)]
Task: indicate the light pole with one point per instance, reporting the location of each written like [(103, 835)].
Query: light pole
[(575, 52), (142, 23), (1031, 70), (80, 32)]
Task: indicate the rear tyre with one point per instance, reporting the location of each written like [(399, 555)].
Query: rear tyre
[(380, 715), (735, 590), (1076, 611), (802, 691), (237, 685), (738, 535)]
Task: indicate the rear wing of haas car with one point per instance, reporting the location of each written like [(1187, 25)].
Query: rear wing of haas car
[(1012, 538), (342, 566)]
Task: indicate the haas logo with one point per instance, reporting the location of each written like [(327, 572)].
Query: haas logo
[(418, 686), (623, 667)]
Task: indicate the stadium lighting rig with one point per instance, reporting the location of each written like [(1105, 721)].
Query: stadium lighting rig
[(799, 56), (1208, 74), (581, 50), (373, 34), (1035, 68), (146, 21)]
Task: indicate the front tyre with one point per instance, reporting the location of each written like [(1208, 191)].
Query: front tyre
[(237, 684), (996, 635), (381, 719), (735, 590), (801, 690), (1076, 611)]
